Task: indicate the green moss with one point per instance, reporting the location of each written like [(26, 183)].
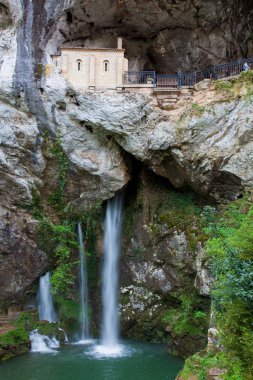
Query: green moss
[(197, 109), (222, 85), (56, 196), (5, 24), (14, 342), (181, 212), (189, 317), (68, 310), (199, 365), (14, 337), (236, 87), (39, 70)]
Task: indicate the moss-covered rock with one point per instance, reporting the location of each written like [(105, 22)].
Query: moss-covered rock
[(164, 286), (13, 343)]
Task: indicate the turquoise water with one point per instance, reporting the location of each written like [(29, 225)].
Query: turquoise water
[(142, 361)]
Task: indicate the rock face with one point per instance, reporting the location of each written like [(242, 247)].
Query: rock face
[(160, 287), (204, 143)]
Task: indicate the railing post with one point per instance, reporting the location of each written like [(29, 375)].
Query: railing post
[(179, 79)]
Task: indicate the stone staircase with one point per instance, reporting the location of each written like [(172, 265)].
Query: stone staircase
[(167, 97), (6, 324)]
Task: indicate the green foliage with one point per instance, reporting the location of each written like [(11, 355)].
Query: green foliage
[(57, 196), (222, 85), (188, 317), (230, 252), (197, 109), (246, 76), (39, 70), (199, 364), (236, 87), (180, 211), (14, 337), (67, 309), (235, 323), (64, 240), (36, 205)]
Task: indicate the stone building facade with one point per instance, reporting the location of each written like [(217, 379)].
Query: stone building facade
[(90, 69)]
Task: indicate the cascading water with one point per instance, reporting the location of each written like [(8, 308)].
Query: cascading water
[(84, 318), (39, 342), (42, 343), (45, 300), (110, 327)]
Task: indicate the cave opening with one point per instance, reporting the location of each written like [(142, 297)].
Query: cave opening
[(162, 38)]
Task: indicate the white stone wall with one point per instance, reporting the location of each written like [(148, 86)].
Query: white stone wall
[(92, 71)]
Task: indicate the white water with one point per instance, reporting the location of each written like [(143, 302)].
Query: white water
[(66, 339), (42, 343), (110, 327), (45, 300), (84, 317)]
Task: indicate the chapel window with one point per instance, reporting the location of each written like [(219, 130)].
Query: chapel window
[(79, 65), (106, 66)]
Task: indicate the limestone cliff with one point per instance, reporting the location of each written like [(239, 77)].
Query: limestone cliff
[(203, 143)]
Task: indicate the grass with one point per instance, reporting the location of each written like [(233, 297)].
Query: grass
[(199, 364), (236, 87)]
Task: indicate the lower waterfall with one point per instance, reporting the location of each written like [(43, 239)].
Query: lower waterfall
[(83, 290), (45, 300), (110, 324)]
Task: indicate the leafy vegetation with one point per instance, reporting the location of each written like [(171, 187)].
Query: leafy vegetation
[(230, 251), (58, 235), (14, 337), (200, 363), (230, 254), (190, 317), (57, 196)]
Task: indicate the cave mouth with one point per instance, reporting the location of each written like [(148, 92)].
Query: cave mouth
[(143, 179), (161, 36)]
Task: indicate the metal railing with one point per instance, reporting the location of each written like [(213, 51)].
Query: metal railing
[(167, 80), (186, 79), (140, 77)]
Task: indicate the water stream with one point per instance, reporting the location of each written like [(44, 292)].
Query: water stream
[(45, 300), (42, 343), (111, 359), (110, 325), (83, 290)]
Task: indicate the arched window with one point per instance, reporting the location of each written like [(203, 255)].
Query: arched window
[(79, 65), (106, 65)]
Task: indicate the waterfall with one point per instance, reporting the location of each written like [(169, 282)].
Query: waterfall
[(84, 319), (42, 343), (45, 300), (110, 325)]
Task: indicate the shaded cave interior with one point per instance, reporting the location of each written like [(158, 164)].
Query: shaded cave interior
[(160, 35)]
